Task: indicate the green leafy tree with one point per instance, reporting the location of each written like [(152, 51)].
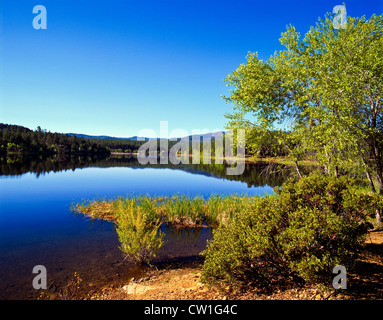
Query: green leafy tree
[(327, 89)]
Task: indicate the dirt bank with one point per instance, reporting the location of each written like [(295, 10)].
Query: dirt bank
[(182, 282)]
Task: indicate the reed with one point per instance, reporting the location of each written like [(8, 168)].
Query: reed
[(177, 210)]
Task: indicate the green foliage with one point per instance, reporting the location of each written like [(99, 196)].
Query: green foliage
[(138, 237), (236, 245), (18, 139), (21, 140), (179, 210), (262, 143), (327, 86), (299, 233)]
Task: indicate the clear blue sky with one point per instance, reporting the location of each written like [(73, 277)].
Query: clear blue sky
[(115, 67)]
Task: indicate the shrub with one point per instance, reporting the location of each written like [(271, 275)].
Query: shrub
[(300, 233), (232, 255), (138, 236)]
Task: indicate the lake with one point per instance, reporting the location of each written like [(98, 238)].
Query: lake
[(38, 228)]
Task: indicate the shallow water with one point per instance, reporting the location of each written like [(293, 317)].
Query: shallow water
[(37, 227)]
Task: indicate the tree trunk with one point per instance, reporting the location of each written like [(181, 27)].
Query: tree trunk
[(379, 176), (372, 187), (328, 164), (295, 161), (379, 211), (297, 168), (378, 215)]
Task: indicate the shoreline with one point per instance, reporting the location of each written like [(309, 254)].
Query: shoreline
[(248, 159), (181, 281)]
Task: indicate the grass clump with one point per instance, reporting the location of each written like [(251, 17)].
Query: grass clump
[(96, 209), (137, 218), (177, 209), (139, 237)]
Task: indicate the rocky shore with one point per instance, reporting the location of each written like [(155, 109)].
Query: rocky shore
[(182, 282)]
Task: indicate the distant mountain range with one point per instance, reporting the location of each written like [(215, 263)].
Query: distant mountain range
[(86, 136), (211, 135)]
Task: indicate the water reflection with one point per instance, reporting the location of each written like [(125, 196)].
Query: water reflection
[(185, 235), (36, 226), (182, 243), (255, 174)]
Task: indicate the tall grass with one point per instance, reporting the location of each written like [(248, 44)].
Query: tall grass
[(177, 209), (138, 237)]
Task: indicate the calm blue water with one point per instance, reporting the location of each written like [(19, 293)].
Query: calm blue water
[(37, 227)]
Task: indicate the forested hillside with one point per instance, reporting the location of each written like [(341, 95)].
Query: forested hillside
[(16, 139)]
